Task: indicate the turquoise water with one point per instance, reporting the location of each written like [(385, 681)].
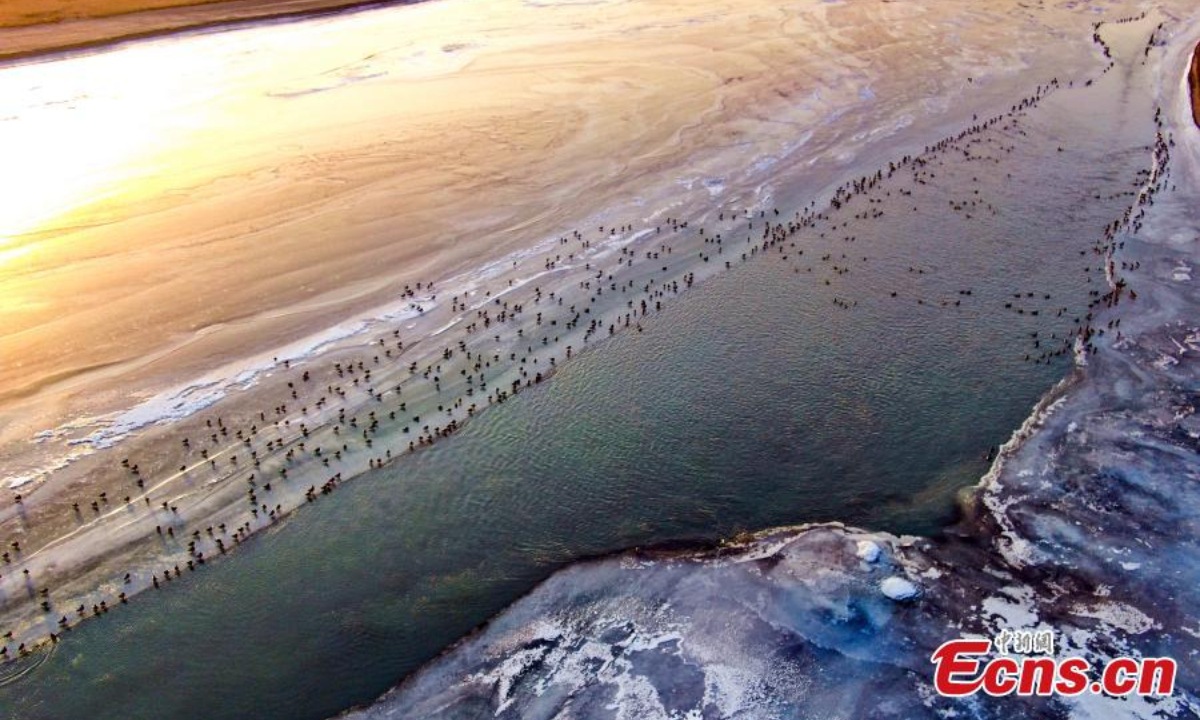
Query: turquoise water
[(754, 401)]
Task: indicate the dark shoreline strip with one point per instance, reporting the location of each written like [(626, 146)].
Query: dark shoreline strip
[(1194, 84), (199, 26)]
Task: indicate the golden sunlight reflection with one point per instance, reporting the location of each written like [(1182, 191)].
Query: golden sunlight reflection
[(74, 132), (83, 138)]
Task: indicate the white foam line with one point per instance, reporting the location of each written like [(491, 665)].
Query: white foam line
[(182, 401)]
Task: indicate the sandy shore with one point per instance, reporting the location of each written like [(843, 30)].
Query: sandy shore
[(327, 166)]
